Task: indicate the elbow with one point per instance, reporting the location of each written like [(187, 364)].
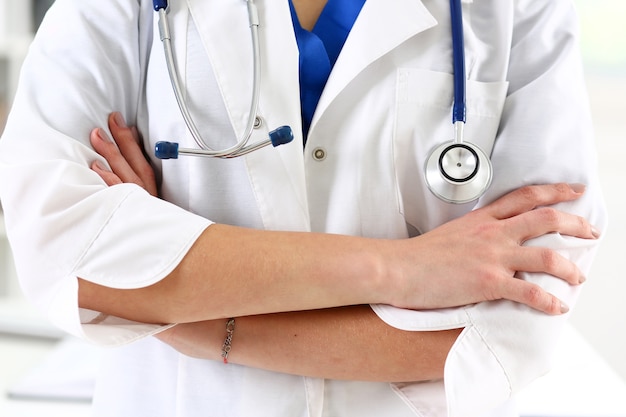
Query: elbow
[(154, 304)]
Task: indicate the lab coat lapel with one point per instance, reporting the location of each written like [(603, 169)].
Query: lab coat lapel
[(381, 26), (224, 31), (277, 175)]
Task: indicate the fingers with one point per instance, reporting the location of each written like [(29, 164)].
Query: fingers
[(530, 197), (125, 156), (523, 220), (127, 139), (545, 220), (108, 149), (129, 143), (540, 260), (109, 177), (533, 296), (544, 260)]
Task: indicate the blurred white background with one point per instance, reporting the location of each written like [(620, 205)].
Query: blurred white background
[(601, 314)]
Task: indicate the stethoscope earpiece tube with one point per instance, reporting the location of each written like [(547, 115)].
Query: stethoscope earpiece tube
[(170, 150)]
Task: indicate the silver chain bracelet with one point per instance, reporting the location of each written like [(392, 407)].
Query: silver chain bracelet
[(227, 346)]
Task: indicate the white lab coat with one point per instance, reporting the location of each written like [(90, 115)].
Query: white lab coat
[(386, 104)]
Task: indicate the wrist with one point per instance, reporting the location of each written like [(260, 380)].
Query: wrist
[(381, 266), (392, 284), (228, 339), (202, 340)]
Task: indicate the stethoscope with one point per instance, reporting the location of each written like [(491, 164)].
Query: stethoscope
[(456, 171), (169, 150)]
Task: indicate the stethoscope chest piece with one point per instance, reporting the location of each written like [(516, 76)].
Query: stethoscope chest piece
[(458, 172)]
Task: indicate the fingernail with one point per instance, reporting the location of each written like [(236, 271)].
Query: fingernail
[(100, 166), (103, 136), (582, 279), (595, 232), (564, 308), (578, 188), (119, 119)]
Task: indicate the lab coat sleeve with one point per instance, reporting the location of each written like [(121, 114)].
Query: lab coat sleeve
[(63, 222), (545, 136)]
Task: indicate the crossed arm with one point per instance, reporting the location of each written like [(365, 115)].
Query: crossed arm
[(299, 316)]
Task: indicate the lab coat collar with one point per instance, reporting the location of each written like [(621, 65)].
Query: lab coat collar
[(382, 25)]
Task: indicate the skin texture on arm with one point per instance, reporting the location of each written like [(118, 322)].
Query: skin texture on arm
[(216, 283), (349, 343)]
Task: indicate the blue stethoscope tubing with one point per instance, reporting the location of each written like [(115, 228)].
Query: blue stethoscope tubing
[(169, 150), (458, 171)]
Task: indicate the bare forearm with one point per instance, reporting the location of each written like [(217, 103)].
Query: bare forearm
[(233, 271), (343, 343)]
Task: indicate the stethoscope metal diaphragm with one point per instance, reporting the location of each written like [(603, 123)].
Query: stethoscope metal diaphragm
[(458, 172)]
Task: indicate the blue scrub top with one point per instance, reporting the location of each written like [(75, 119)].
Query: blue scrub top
[(319, 50)]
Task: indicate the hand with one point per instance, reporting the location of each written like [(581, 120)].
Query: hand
[(476, 257), (127, 160)]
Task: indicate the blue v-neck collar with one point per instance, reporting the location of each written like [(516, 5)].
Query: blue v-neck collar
[(320, 48), (335, 23)]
